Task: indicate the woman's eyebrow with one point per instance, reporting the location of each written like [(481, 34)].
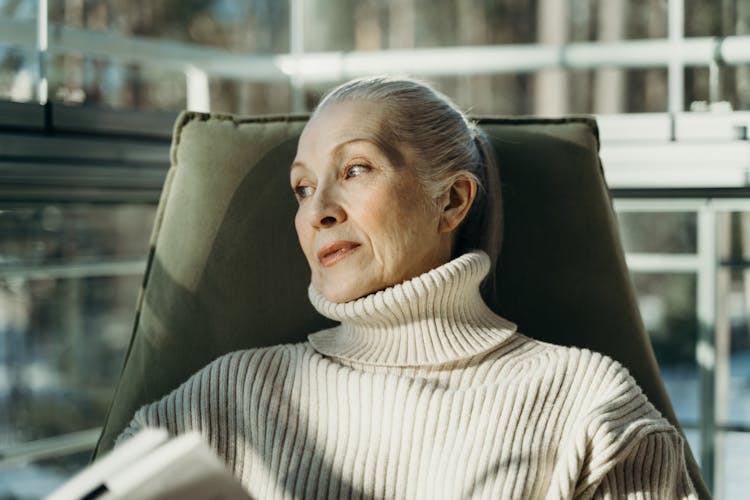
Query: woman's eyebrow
[(338, 150), (342, 145)]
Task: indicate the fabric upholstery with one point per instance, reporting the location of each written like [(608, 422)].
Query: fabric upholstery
[(225, 271)]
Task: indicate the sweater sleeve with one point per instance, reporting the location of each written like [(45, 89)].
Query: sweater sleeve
[(204, 403), (654, 468), (628, 449)]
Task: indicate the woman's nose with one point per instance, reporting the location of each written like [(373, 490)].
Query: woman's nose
[(327, 212)]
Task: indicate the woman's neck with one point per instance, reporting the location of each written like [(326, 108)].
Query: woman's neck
[(436, 318)]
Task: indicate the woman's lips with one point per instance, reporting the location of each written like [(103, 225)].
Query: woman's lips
[(335, 252)]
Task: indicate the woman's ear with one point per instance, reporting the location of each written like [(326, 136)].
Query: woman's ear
[(456, 202)]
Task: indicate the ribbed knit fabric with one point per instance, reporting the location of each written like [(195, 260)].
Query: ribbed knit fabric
[(423, 392)]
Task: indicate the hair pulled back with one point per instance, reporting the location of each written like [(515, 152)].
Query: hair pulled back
[(446, 144)]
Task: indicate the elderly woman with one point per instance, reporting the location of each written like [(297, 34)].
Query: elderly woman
[(421, 391)]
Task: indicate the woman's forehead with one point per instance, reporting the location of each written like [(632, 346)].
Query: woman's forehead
[(338, 124), (346, 120)]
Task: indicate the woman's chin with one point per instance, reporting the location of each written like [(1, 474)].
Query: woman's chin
[(341, 294)]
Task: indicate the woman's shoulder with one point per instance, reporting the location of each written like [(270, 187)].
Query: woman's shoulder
[(579, 360), (267, 356), (605, 383)]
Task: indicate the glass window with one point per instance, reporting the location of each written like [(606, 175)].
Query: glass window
[(237, 27), (617, 20), (645, 18), (382, 24), (703, 18), (658, 232), (18, 73), (488, 95), (248, 27), (68, 234), (732, 87), (37, 480), (738, 311), (18, 65), (740, 76), (646, 91), (62, 344), (735, 465), (518, 94), (613, 90), (69, 279), (667, 305), (692, 436), (739, 354), (233, 96), (479, 95), (79, 79), (18, 9)]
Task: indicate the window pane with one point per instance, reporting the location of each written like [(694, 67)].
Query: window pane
[(45, 234), (739, 82), (736, 464), (733, 87), (18, 73), (18, 9), (711, 18), (69, 279), (78, 79), (18, 65), (486, 95), (613, 90), (603, 91), (739, 357), (739, 323), (75, 79), (693, 439), (646, 91), (383, 24), (62, 348), (667, 305), (233, 96), (260, 27), (658, 232), (27, 481), (231, 26)]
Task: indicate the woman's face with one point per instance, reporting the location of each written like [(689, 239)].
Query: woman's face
[(364, 223)]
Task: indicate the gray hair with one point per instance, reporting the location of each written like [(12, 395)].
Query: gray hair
[(447, 145)]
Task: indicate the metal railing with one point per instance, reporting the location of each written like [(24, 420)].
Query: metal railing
[(332, 66), (198, 63)]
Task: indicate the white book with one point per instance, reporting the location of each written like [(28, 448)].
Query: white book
[(151, 465)]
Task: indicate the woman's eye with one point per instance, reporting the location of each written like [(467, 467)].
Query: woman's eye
[(356, 170), (303, 191)]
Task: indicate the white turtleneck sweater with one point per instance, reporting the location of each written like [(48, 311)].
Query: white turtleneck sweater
[(423, 392)]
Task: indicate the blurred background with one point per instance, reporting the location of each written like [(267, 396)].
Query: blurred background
[(89, 90)]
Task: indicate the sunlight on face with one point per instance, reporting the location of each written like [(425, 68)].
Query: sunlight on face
[(364, 223)]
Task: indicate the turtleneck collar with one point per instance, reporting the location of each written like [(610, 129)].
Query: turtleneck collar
[(436, 318)]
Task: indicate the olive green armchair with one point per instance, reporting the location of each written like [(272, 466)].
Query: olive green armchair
[(225, 271)]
